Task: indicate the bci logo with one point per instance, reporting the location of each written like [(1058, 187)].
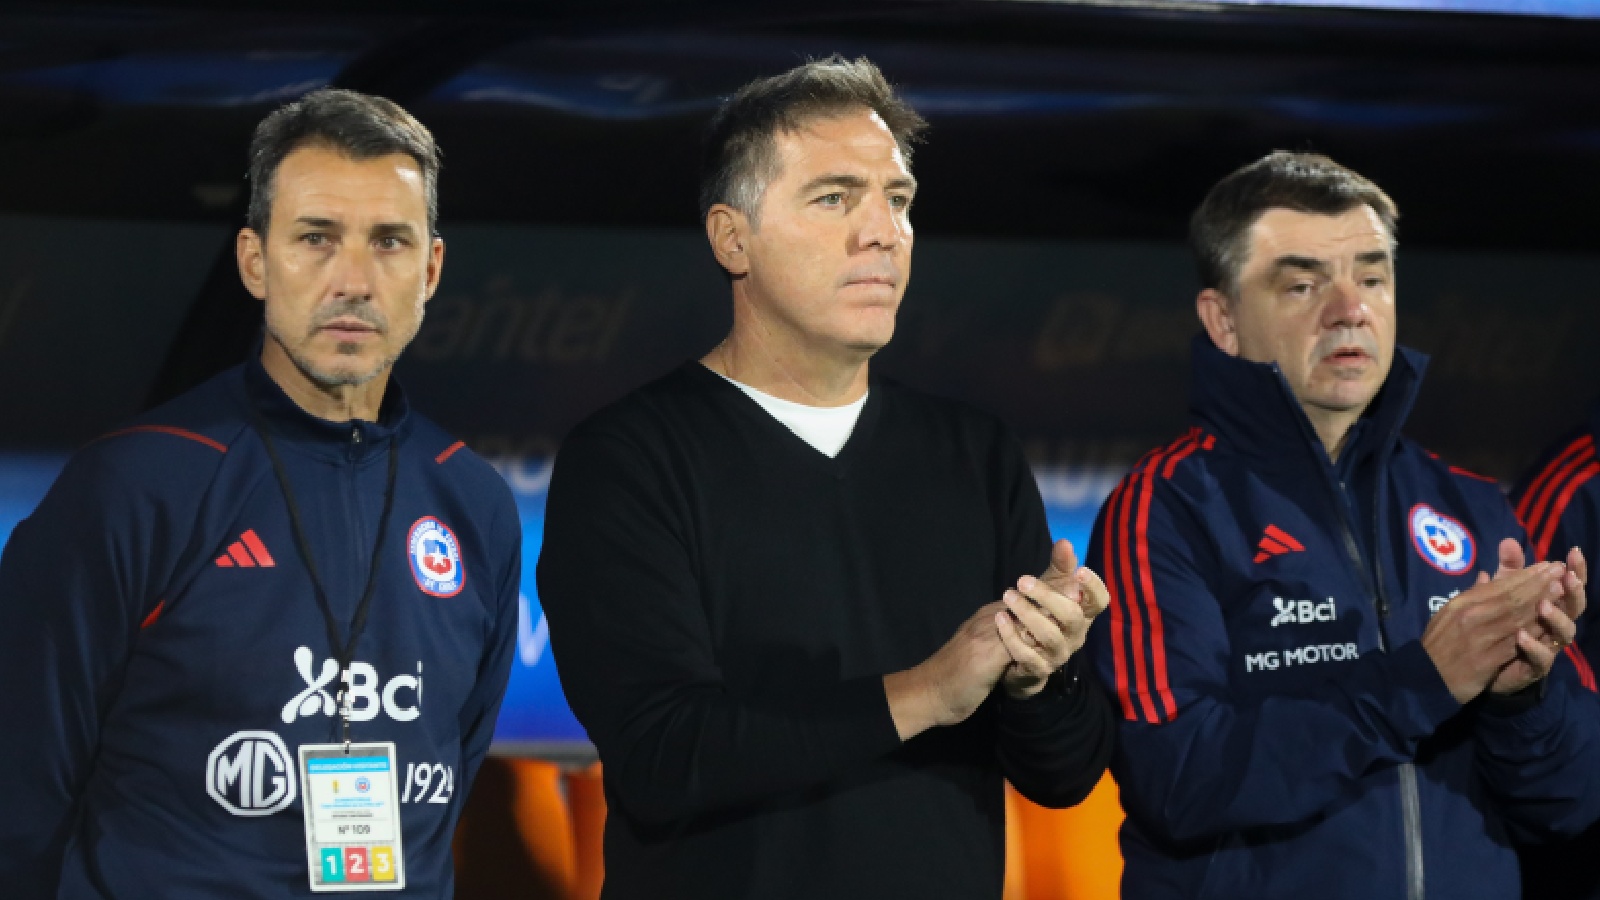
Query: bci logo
[(251, 774), (361, 680)]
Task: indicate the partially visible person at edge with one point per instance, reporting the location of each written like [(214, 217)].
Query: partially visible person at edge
[(165, 650), (1558, 500), (1322, 691), (766, 573)]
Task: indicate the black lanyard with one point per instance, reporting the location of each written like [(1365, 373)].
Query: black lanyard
[(344, 652)]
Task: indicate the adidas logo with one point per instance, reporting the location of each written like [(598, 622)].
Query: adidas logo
[(246, 553), (1276, 542)]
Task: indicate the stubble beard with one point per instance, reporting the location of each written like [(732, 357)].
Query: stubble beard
[(327, 380)]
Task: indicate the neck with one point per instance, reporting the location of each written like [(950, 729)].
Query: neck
[(1332, 427), (336, 403), (771, 358)]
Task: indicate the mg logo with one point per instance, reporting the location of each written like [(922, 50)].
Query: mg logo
[(251, 774)]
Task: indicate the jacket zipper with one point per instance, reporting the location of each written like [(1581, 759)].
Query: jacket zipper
[(1410, 798)]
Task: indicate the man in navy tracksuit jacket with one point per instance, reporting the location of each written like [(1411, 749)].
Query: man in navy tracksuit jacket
[(163, 651), (1321, 696), (1558, 500)]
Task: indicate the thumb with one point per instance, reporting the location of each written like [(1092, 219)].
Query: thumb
[(1511, 556), (1061, 576)]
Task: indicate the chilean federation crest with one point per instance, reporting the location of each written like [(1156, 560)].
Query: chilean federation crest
[(1443, 542), (435, 558)]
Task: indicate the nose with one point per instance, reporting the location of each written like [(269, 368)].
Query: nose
[(879, 225), (353, 272), (1344, 306)]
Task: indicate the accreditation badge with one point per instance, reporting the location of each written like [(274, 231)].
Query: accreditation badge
[(352, 809)]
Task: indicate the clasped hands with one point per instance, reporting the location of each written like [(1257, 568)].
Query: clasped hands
[(1018, 642), (1504, 633), (1046, 619)]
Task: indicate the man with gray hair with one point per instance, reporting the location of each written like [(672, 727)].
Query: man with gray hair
[(1324, 693), (754, 566), (220, 620)]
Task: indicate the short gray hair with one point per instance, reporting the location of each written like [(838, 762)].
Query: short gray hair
[(357, 125), (741, 156), (1303, 182)]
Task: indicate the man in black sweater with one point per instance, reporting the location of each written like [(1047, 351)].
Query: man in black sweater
[(754, 566)]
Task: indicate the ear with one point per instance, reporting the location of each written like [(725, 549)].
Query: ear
[(1216, 315), (727, 229), (250, 250), (435, 267)]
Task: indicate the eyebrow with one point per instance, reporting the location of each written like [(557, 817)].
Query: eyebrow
[(856, 182), (1373, 256), (382, 228), (1306, 263), (403, 229)]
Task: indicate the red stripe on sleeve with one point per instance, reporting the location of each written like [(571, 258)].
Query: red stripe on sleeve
[(1119, 654), (1158, 647), (1553, 520), (1188, 446), (1525, 505), (1581, 663), (154, 615), (1136, 623), (1535, 519), (449, 452), (1467, 473), (1135, 547), (166, 429)]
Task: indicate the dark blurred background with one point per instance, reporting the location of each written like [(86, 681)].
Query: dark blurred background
[(1051, 284), (1070, 140)]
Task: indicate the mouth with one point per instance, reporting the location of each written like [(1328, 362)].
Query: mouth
[(348, 329), (1347, 356), (871, 280)]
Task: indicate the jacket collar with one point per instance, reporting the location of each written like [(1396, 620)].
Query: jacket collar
[(1250, 406), (289, 423)]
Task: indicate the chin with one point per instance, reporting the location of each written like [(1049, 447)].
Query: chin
[(869, 343), (342, 370)]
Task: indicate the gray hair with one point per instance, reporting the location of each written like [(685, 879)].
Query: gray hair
[(741, 156), (1303, 182), (359, 126)]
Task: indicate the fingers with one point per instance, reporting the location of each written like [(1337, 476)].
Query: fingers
[(1040, 622), (1514, 596), (1575, 584), (1055, 623), (1558, 627), (1538, 655), (1094, 598), (1025, 656)]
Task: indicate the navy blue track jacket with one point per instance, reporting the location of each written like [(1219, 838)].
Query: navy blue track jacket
[(163, 654), (1559, 503), (1284, 733), (1558, 500)]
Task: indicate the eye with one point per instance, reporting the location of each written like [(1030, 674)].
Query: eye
[(834, 199), (391, 242), (1302, 288), (1373, 281), (900, 201), (314, 239)]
